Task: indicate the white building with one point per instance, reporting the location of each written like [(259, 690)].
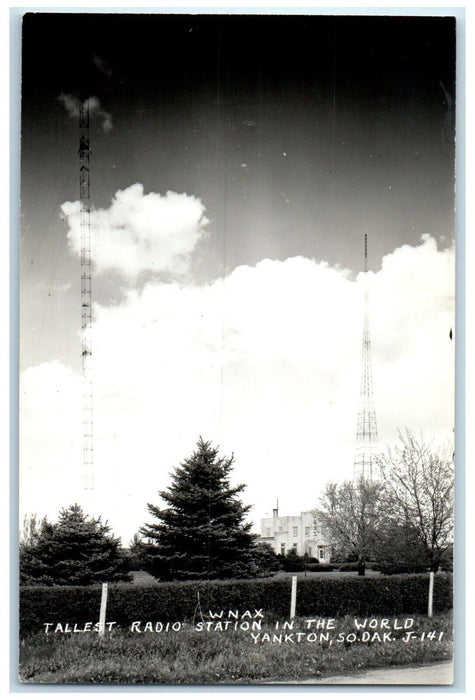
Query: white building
[(302, 533)]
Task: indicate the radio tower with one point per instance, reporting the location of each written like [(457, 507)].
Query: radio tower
[(367, 431), (86, 345)]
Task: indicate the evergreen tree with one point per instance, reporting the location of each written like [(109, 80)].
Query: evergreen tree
[(138, 553), (76, 550), (201, 533)]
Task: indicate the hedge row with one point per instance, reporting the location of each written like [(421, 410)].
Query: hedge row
[(296, 567), (406, 594), (320, 567), (349, 566), (391, 569), (179, 601), (370, 566)]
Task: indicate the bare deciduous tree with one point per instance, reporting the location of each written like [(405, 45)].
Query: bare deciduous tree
[(353, 515), (420, 484), (30, 529)]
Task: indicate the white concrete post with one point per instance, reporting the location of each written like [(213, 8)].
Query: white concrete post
[(102, 614), (293, 597), (431, 594)]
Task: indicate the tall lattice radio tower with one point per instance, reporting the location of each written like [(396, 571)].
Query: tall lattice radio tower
[(86, 296), (367, 430)]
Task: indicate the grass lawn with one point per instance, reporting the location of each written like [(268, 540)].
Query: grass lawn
[(233, 656)]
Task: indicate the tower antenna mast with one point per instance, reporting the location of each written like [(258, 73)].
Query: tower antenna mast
[(86, 294), (367, 430)]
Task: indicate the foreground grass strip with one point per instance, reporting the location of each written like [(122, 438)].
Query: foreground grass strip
[(233, 656)]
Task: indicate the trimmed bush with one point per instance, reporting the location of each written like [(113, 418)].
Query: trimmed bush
[(350, 566), (291, 562), (372, 596), (177, 601), (40, 604), (292, 566), (186, 601), (391, 569), (370, 565), (320, 567)]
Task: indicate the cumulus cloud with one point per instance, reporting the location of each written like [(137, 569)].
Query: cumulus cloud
[(70, 104), (50, 437), (96, 109), (413, 306), (141, 232), (264, 362)]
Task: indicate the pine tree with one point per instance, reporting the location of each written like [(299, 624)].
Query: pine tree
[(201, 533), (77, 550)]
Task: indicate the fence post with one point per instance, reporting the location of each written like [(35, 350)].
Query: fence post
[(293, 597), (431, 594), (102, 614)]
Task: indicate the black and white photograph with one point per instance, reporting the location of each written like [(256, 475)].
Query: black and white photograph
[(237, 303)]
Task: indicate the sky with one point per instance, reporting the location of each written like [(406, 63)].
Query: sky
[(236, 165)]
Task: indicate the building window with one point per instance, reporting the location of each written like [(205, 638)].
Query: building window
[(295, 531), (294, 547), (280, 528), (307, 532), (309, 551), (282, 548), (268, 531), (321, 553)]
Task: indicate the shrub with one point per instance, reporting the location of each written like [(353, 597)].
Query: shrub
[(447, 560), (390, 569), (320, 567), (184, 601), (348, 567), (177, 601), (292, 561), (372, 596), (263, 560), (292, 565), (353, 566)]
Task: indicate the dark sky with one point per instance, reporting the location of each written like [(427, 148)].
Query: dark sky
[(299, 134)]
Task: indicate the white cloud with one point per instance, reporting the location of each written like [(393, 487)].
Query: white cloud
[(50, 438), (264, 362), (70, 103), (413, 302), (95, 109), (141, 232)]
